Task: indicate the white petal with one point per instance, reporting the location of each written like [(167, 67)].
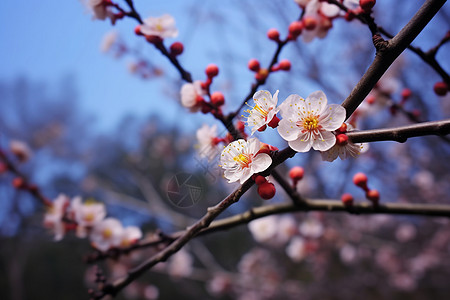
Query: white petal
[(326, 142), (329, 10), (331, 154), (316, 102), (332, 118), (253, 145), (288, 130), (299, 145), (245, 174), (287, 108), (261, 162), (263, 99), (232, 176)]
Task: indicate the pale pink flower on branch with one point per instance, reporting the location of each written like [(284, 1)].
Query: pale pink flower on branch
[(86, 214), (107, 234), (130, 235), (321, 13), (264, 229), (309, 123), (192, 95), (287, 227), (20, 149), (241, 160), (296, 249), (207, 146), (263, 111), (53, 218), (163, 26), (100, 9)]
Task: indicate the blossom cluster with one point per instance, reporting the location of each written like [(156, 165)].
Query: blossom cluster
[(88, 219)]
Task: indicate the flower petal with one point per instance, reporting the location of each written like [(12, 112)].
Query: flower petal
[(332, 118), (245, 174), (287, 107), (315, 103), (331, 154), (261, 162), (326, 142), (288, 130), (253, 145), (300, 145)]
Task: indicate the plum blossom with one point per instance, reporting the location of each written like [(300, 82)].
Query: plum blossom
[(207, 142), (344, 148), (100, 9), (163, 26), (129, 236), (296, 249), (54, 215), (309, 123), (263, 111), (321, 13), (87, 214), (264, 229), (107, 234), (287, 228), (192, 95), (20, 149), (241, 160)]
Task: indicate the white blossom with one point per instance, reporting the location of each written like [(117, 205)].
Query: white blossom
[(163, 26), (207, 141), (241, 160), (190, 94), (107, 234), (109, 39), (311, 228), (86, 214), (129, 236), (264, 229), (20, 149), (54, 215), (309, 123), (263, 111)]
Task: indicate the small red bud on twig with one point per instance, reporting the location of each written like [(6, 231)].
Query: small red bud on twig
[(176, 49), (253, 65), (212, 70), (440, 88), (273, 35), (347, 199), (266, 190), (217, 99), (360, 179)]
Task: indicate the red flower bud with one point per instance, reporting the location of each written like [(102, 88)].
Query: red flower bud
[(19, 183), (347, 199), (295, 29), (217, 99), (266, 190), (137, 30), (406, 93), (440, 88), (367, 5), (285, 65), (373, 196), (309, 23), (260, 180), (262, 74), (176, 48), (296, 173), (360, 179), (253, 65), (342, 129), (212, 70), (273, 35)]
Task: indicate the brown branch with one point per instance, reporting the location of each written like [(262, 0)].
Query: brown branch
[(393, 48), (401, 134), (191, 232)]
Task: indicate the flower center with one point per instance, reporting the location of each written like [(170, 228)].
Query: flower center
[(261, 110), (159, 27), (243, 159), (310, 123), (89, 217), (107, 233)]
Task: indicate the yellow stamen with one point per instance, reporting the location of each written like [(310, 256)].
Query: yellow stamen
[(310, 123), (107, 233), (243, 159), (261, 111)]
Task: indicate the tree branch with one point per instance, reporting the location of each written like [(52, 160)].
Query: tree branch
[(401, 134), (385, 57)]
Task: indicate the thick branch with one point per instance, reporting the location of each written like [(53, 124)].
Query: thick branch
[(401, 134), (386, 57)]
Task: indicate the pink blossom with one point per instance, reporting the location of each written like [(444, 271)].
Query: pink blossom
[(107, 234), (163, 26), (54, 215)]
